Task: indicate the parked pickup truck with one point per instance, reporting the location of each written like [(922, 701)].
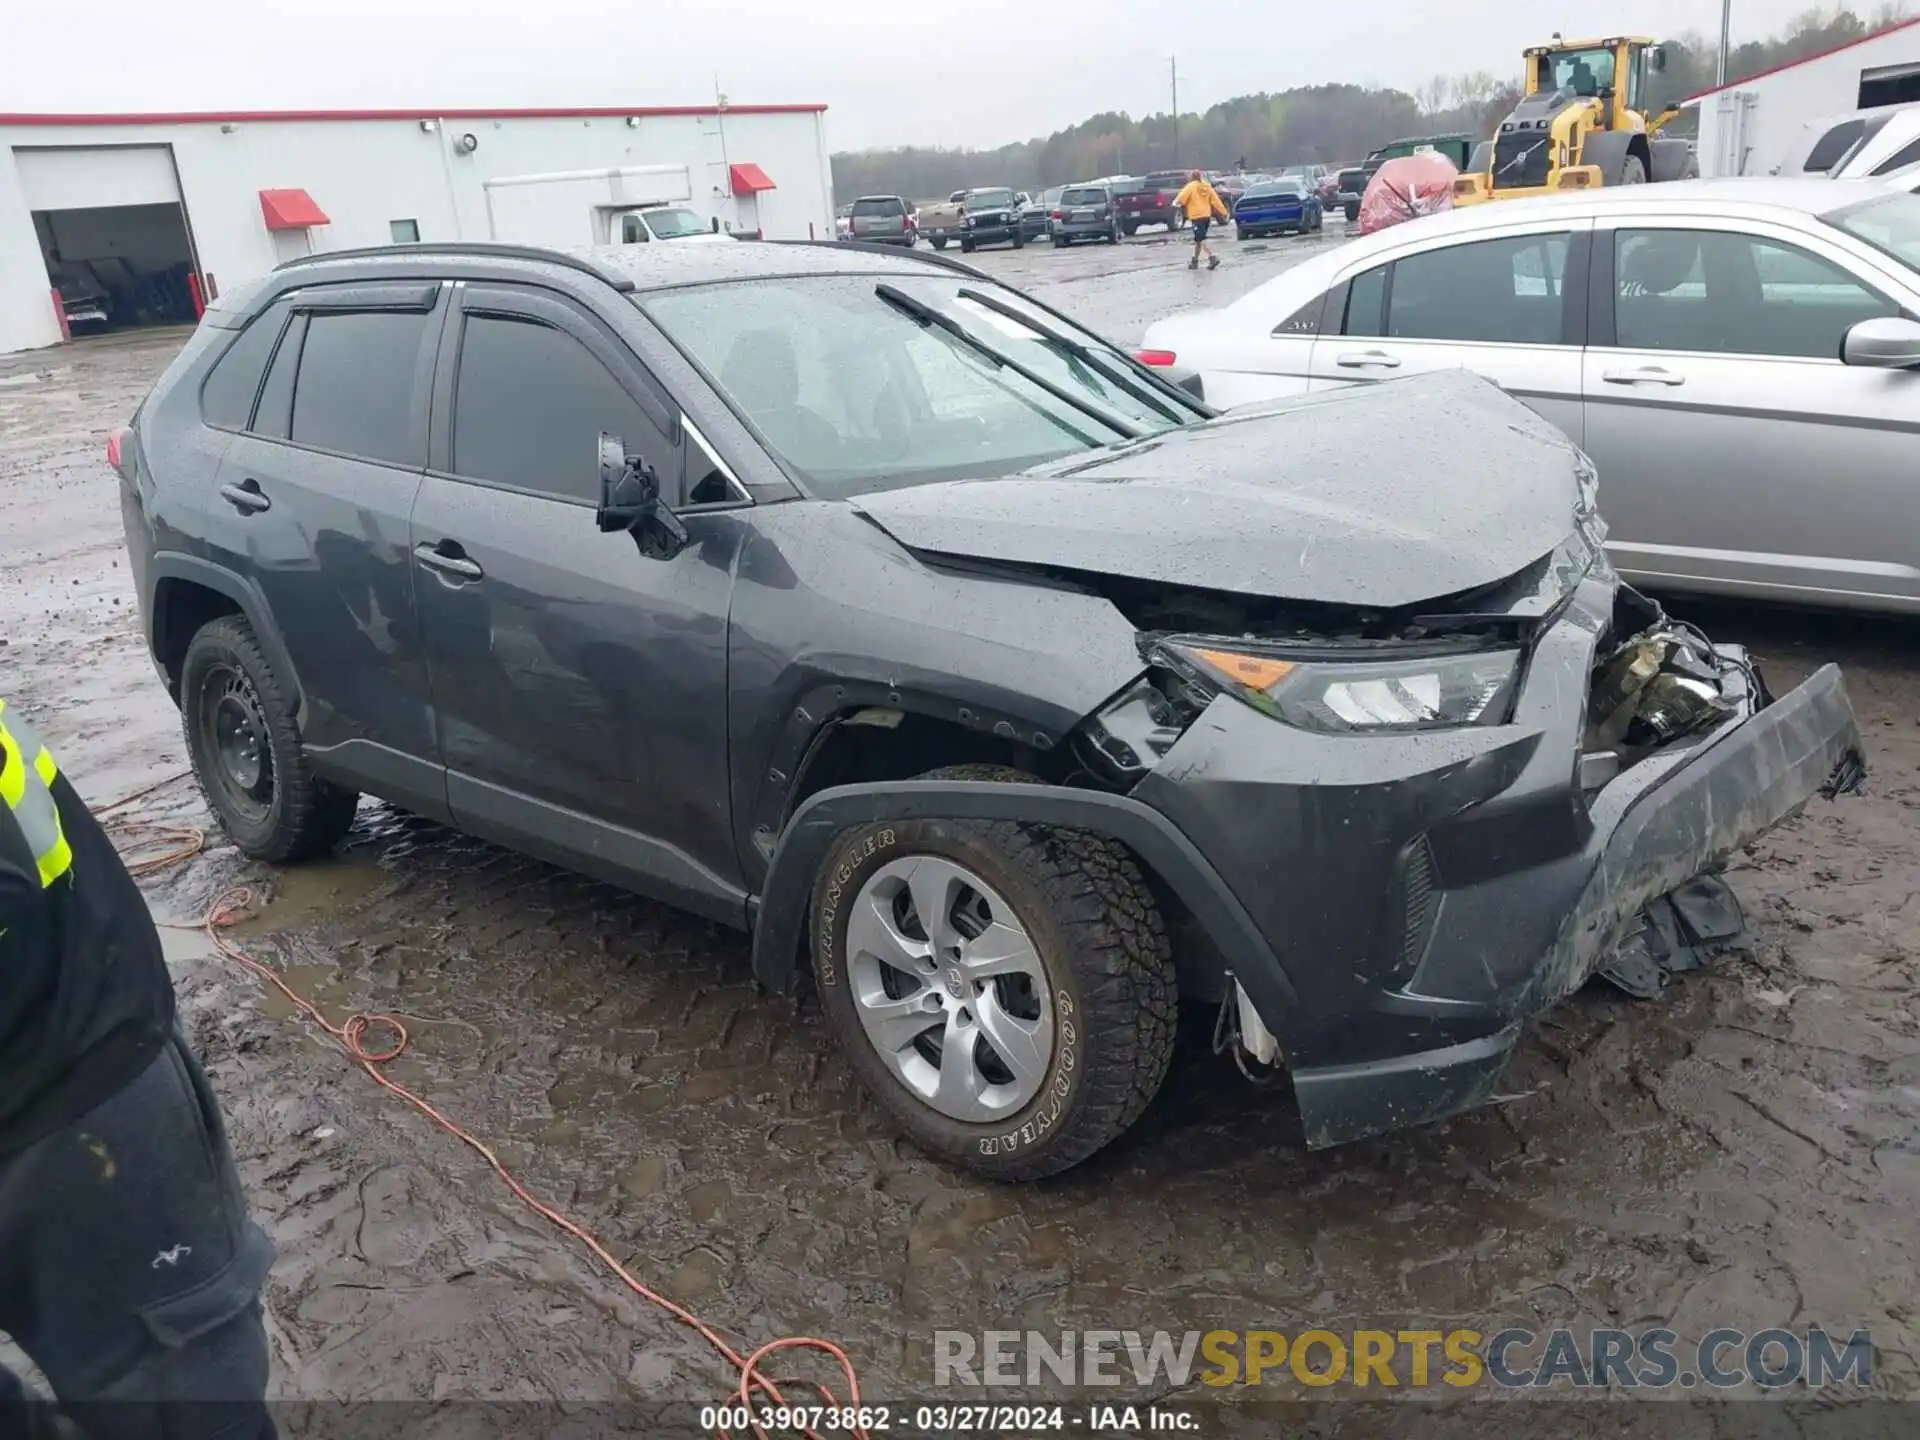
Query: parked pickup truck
[(942, 223), (1152, 203)]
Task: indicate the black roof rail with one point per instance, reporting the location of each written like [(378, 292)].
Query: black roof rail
[(869, 247), (481, 249)]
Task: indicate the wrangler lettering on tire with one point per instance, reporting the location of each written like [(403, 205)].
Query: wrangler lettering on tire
[(1004, 991)]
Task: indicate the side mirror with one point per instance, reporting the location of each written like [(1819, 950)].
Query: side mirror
[(630, 500), (1888, 343), (1657, 59)]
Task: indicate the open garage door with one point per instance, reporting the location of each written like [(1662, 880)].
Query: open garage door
[(113, 233)]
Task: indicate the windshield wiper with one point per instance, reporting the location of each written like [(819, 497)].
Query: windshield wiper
[(927, 315), (1086, 355)]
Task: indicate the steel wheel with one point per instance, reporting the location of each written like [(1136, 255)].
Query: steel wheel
[(234, 737), (949, 988)]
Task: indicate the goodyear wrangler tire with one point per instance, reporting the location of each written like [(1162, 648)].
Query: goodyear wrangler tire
[(1004, 991), (245, 750)]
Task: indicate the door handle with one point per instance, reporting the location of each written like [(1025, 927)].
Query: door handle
[(456, 565), (246, 497), (1362, 359), (1643, 375)]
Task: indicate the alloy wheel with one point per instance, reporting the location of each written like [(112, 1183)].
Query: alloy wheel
[(950, 988)]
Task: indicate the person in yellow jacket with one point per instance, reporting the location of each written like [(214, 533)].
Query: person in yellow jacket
[(1200, 202)]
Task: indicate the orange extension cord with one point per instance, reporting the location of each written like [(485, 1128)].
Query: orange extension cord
[(154, 847)]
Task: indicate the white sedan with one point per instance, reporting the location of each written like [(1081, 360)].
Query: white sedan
[(1740, 358)]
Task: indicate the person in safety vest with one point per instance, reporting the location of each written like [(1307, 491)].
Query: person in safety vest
[(130, 1272)]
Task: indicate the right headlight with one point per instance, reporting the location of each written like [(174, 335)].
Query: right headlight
[(1355, 694)]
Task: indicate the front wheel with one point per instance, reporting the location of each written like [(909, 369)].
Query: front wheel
[(1005, 992), (939, 242), (966, 247), (245, 750), (1633, 172), (1019, 242)]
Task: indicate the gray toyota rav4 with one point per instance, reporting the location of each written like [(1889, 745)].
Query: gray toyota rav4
[(872, 607)]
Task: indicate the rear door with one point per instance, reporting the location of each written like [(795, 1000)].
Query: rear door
[(1510, 307), (1736, 452), (580, 687), (313, 502)]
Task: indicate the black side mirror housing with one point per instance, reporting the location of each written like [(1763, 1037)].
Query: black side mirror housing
[(630, 501)]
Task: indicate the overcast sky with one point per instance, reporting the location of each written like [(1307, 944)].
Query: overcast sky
[(947, 72)]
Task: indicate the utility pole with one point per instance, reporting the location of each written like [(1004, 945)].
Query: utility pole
[(1726, 40), (1173, 76)]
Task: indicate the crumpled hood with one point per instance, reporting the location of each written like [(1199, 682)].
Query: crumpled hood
[(1377, 496)]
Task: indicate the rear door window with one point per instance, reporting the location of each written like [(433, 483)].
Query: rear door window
[(1491, 292), (227, 398), (355, 392), (530, 403), (275, 412)]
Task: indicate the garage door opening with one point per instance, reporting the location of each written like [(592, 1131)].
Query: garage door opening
[(114, 235), (119, 267)]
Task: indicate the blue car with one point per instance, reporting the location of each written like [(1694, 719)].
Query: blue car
[(1276, 207)]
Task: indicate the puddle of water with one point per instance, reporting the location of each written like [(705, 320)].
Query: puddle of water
[(317, 890)]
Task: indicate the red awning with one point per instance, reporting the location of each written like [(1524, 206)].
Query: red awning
[(748, 179), (290, 210)]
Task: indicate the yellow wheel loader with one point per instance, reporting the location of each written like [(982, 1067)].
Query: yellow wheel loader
[(1579, 126)]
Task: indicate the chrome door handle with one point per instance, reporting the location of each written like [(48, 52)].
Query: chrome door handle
[(245, 497), (457, 566), (1643, 375), (1362, 359)]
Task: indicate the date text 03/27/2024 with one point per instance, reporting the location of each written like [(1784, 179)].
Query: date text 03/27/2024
[(945, 1420)]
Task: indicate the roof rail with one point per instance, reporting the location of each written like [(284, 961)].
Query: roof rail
[(872, 248), (482, 249)]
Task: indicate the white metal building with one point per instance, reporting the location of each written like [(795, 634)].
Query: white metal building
[(159, 212), (1746, 127)]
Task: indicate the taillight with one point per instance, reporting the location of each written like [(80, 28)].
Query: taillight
[(1059, 214), (114, 451), (1154, 357)]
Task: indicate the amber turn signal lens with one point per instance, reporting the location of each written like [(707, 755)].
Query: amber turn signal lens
[(1256, 672)]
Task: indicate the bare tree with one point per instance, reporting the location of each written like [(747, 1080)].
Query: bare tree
[(1434, 95)]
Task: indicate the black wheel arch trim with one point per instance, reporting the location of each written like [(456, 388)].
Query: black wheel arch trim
[(172, 565), (779, 914)]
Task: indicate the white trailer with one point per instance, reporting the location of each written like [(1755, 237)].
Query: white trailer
[(624, 205)]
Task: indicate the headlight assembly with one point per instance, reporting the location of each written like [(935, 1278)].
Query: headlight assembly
[(1371, 693)]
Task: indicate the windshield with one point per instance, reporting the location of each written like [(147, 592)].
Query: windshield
[(1585, 72), (1089, 196), (1890, 224), (854, 394), (990, 200), (1295, 182), (674, 224)]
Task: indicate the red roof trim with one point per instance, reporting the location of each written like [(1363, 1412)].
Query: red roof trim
[(746, 178), (268, 117), (1803, 60), (291, 210)]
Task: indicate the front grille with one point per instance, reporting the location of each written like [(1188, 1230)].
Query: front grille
[(1521, 157)]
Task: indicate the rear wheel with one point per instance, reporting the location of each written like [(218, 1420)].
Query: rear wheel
[(1633, 171), (939, 242), (1005, 992), (1132, 227), (1059, 242), (245, 750)]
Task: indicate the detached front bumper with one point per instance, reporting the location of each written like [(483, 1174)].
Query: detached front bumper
[(1422, 894)]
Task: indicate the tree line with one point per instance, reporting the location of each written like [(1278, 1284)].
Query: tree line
[(1327, 124)]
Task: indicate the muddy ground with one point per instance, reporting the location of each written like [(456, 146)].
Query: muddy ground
[(1744, 1152)]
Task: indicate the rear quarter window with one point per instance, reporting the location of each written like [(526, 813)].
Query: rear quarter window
[(226, 400)]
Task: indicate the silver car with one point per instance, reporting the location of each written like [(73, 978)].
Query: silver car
[(1740, 358)]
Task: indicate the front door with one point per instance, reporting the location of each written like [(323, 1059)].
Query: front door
[(1736, 452), (313, 503), (1509, 308), (580, 686)]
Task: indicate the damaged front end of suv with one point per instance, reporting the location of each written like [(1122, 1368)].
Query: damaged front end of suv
[(1393, 806)]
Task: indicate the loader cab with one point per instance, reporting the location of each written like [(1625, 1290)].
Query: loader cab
[(1613, 72)]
